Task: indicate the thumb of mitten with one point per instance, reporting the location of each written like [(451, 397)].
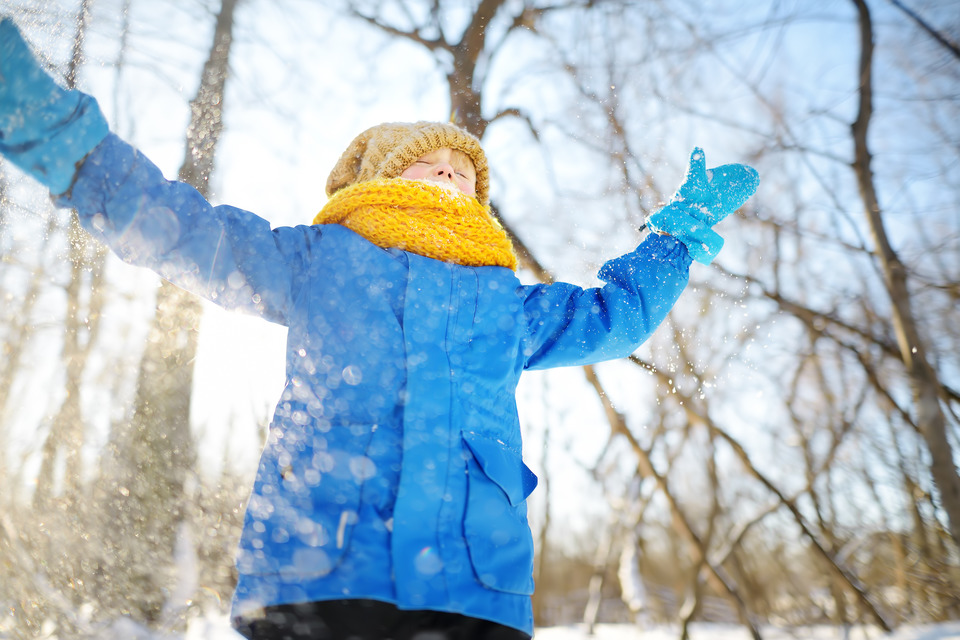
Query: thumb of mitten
[(695, 183)]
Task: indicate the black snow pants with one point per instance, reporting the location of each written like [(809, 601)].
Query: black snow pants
[(368, 620)]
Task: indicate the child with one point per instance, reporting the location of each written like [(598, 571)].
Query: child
[(390, 497)]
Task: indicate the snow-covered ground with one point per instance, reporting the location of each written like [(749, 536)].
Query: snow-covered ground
[(217, 628), (950, 631)]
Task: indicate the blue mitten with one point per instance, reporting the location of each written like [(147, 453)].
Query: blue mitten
[(44, 129), (704, 199)]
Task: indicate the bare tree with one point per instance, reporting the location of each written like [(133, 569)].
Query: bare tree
[(923, 377), (783, 444), (66, 435), (150, 457)]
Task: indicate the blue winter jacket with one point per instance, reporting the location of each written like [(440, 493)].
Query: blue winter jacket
[(393, 468)]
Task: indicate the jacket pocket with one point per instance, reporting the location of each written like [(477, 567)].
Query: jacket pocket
[(495, 523), (303, 508)]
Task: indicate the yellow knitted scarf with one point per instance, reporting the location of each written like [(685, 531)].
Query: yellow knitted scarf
[(422, 218)]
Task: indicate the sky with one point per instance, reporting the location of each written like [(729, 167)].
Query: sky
[(275, 167)]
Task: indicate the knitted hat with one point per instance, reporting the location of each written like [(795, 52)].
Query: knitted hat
[(386, 150)]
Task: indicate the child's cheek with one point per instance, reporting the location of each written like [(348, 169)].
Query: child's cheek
[(412, 173)]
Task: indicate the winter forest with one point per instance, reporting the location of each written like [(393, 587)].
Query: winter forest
[(784, 450)]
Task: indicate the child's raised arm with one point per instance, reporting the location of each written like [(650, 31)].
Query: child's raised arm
[(60, 138), (572, 326)]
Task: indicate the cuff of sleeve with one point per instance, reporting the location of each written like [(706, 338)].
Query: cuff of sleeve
[(101, 171), (663, 250), (701, 241), (667, 249), (52, 157)]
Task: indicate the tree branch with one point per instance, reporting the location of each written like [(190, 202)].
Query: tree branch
[(923, 24), (433, 44), (923, 377)]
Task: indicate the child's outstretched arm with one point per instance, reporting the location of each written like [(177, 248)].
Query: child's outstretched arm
[(573, 326), (225, 254), (60, 138), (569, 325)]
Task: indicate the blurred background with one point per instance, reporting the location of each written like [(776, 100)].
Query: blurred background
[(784, 449)]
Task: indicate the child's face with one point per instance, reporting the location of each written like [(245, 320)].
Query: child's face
[(447, 166)]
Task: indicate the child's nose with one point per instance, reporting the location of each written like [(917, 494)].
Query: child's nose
[(444, 171)]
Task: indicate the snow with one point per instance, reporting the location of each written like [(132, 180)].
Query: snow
[(217, 627), (946, 631)]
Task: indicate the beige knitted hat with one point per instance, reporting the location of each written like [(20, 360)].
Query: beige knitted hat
[(386, 150)]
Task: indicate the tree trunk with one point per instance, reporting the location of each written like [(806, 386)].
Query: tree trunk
[(67, 429), (923, 377), (65, 437), (153, 454), (465, 94), (681, 525), (63, 507)]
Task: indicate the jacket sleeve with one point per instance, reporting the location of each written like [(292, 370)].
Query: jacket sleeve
[(568, 325), (225, 254)]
